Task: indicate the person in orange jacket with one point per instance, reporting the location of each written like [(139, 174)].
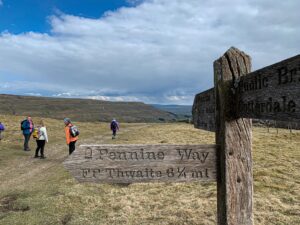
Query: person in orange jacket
[(71, 140)]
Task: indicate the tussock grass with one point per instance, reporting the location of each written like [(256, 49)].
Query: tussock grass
[(34, 191)]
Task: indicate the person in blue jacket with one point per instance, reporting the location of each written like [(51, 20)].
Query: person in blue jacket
[(2, 128), (27, 127)]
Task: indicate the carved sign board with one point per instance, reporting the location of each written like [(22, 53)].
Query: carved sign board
[(204, 110), (271, 93), (143, 163)]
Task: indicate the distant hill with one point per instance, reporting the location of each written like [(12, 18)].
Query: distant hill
[(181, 111), (82, 109)]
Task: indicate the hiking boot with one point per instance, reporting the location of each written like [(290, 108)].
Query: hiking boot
[(43, 157), (36, 156)]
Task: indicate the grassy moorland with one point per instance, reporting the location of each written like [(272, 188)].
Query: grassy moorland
[(35, 191), (86, 110)]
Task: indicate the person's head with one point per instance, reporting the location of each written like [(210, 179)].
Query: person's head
[(67, 121), (29, 118)]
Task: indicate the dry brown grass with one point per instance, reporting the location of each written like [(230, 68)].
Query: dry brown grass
[(51, 196)]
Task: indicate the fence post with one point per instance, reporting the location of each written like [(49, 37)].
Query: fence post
[(234, 136)]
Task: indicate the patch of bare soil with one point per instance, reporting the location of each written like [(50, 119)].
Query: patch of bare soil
[(9, 204)]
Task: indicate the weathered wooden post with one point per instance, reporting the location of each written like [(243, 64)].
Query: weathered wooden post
[(268, 125), (234, 136), (290, 127), (270, 93)]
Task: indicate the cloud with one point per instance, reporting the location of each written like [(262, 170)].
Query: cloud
[(159, 51), (33, 94), (64, 94), (114, 98)]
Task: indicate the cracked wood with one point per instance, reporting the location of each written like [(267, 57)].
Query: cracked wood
[(234, 136)]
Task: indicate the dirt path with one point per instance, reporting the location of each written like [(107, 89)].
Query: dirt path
[(24, 169)]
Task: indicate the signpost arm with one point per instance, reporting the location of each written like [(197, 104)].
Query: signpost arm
[(234, 136)]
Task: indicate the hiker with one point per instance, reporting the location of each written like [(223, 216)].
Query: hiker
[(114, 126), (71, 134), (40, 133), (2, 128), (27, 127)]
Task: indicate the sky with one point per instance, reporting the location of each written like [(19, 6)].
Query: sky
[(154, 51)]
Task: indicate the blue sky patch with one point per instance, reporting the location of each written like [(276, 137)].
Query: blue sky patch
[(18, 16)]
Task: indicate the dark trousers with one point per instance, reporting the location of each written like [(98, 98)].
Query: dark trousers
[(26, 141), (114, 132), (40, 147), (72, 147)]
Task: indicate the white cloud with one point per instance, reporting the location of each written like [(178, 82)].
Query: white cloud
[(113, 98), (64, 94), (159, 51), (33, 94)]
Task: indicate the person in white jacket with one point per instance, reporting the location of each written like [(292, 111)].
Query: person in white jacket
[(41, 140)]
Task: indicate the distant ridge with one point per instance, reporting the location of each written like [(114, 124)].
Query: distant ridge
[(82, 109), (179, 110)]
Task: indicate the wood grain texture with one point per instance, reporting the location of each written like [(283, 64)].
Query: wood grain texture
[(234, 136), (204, 110), (272, 92), (143, 163)]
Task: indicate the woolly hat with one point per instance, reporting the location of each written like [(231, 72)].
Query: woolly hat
[(67, 120)]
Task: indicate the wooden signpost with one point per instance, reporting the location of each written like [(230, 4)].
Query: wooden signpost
[(204, 110), (143, 163), (234, 136), (269, 93)]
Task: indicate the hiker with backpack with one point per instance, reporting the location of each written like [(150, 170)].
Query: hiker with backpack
[(2, 128), (114, 126), (72, 133), (41, 136), (27, 127)]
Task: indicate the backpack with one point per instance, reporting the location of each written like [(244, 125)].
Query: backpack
[(37, 133), (114, 125), (74, 131), (2, 128), (23, 124)]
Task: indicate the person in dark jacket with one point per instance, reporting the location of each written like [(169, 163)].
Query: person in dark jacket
[(2, 128), (114, 126), (41, 140), (27, 127)]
